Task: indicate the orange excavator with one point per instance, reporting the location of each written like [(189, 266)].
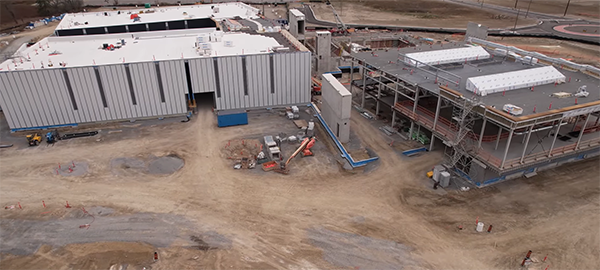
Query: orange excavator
[(304, 148), (316, 87)]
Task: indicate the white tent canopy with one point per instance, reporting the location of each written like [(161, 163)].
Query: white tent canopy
[(438, 57), (507, 81)]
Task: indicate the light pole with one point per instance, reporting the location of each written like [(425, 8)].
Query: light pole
[(526, 13), (566, 8), (516, 19)]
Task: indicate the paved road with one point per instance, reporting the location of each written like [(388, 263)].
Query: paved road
[(12, 47)]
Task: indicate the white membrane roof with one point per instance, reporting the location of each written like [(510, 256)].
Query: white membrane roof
[(159, 14), (140, 47), (507, 81), (449, 55)]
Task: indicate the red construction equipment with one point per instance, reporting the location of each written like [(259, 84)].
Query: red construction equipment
[(283, 167), (316, 87)]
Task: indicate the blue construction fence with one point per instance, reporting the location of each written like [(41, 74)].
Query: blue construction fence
[(339, 145)]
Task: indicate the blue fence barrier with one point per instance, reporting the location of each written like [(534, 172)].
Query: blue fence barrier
[(339, 145)]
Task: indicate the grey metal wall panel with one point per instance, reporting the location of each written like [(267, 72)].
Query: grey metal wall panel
[(258, 79), (57, 90), (38, 81), (118, 89), (141, 80), (175, 90), (32, 115), (11, 111), (231, 80), (202, 75), (15, 101)]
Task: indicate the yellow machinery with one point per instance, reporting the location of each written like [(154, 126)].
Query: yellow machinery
[(34, 139)]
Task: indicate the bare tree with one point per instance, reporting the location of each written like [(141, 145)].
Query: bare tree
[(12, 14)]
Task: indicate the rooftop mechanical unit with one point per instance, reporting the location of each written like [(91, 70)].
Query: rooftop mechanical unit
[(484, 85), (439, 57)]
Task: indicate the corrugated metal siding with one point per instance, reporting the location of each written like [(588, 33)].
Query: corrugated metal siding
[(203, 75), (38, 98), (291, 81)]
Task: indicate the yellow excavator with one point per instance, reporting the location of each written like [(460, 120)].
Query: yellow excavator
[(304, 148), (34, 139)]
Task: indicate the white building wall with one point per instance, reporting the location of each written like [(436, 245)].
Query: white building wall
[(41, 98)]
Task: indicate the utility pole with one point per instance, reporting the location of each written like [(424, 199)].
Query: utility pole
[(567, 8), (516, 19), (526, 13), (516, 2)]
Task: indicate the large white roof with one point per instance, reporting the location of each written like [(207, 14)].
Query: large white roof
[(140, 47), (448, 56), (160, 14), (507, 81)]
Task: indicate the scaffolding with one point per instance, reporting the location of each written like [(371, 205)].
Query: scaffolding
[(462, 149)]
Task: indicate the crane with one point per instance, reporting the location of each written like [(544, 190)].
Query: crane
[(304, 148), (342, 28)]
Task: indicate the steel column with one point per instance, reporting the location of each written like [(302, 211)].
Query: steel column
[(412, 124), (351, 73), (555, 135), (482, 130), (582, 130), (378, 97), (498, 138), (393, 110), (437, 112), (575, 124), (507, 146), (526, 143), (364, 87), (431, 141)]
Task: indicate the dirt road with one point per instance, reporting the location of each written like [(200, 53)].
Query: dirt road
[(429, 13), (321, 217)]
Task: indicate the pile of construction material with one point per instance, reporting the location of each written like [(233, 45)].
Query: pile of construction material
[(244, 152)]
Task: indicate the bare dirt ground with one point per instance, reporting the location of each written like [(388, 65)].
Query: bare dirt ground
[(429, 13), (207, 215), (578, 8)]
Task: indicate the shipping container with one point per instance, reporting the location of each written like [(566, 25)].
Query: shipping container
[(232, 118)]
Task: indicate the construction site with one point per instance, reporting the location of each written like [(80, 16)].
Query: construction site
[(302, 135)]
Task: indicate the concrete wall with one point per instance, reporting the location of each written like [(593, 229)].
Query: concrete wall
[(296, 23), (52, 97), (336, 106), (323, 49)]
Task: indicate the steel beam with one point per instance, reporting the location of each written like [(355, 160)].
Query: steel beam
[(582, 130), (507, 146)]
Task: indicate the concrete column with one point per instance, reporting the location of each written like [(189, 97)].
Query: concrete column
[(498, 138), (526, 143), (364, 86), (412, 126), (582, 129), (507, 146), (555, 135), (482, 131)]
